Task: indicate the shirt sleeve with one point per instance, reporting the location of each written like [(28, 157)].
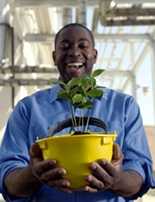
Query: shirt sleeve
[(14, 149), (136, 151)]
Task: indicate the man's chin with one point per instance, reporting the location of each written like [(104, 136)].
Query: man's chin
[(75, 73)]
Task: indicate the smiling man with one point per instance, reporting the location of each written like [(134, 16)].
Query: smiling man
[(74, 53), (25, 176)]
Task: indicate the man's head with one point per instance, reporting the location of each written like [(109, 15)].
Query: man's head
[(74, 53)]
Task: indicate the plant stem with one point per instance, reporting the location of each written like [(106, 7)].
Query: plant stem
[(79, 124), (83, 129), (72, 116), (87, 124)]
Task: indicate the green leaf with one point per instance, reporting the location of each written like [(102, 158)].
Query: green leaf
[(94, 93), (74, 82), (76, 90), (64, 95), (88, 83), (93, 82), (86, 105), (97, 72), (77, 98)]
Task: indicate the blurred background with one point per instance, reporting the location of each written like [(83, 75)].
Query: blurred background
[(124, 32)]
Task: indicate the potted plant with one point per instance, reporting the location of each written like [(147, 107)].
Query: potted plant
[(75, 150), (80, 93)]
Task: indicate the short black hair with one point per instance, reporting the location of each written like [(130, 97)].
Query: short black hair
[(75, 25)]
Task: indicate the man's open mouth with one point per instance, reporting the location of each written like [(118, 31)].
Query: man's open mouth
[(76, 65)]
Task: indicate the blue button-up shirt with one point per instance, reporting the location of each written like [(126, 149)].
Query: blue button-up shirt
[(33, 116)]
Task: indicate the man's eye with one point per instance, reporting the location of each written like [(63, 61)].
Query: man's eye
[(84, 45), (64, 46)]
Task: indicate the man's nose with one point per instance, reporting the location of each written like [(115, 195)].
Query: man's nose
[(74, 51)]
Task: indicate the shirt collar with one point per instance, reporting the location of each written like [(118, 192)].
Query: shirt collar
[(105, 93), (54, 92)]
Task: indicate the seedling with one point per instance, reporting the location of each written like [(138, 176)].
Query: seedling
[(80, 93)]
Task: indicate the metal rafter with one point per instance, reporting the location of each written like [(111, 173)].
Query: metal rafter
[(31, 37), (139, 60), (128, 22), (30, 3), (55, 3), (133, 12), (28, 69), (67, 15), (26, 82), (42, 82), (134, 1), (136, 64), (42, 14)]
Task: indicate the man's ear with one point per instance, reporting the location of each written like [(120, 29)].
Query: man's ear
[(95, 53), (54, 57)]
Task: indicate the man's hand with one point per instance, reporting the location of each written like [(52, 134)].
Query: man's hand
[(105, 175), (109, 175), (47, 171)]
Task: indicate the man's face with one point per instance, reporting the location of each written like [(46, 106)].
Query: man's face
[(74, 53)]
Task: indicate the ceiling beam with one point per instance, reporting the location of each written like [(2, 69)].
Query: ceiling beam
[(36, 69), (128, 22), (31, 37), (53, 3), (43, 82), (136, 65), (26, 82), (28, 69), (66, 3), (42, 14), (134, 1), (133, 11)]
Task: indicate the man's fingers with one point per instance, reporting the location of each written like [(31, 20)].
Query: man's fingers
[(53, 174), (90, 189), (108, 167), (43, 166), (117, 153), (35, 152), (60, 183), (101, 174), (94, 182)]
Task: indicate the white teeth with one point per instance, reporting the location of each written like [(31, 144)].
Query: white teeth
[(75, 64)]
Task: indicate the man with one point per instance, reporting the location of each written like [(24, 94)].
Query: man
[(25, 176)]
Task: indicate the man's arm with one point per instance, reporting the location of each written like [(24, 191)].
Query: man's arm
[(106, 175), (26, 181), (129, 184), (21, 182)]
